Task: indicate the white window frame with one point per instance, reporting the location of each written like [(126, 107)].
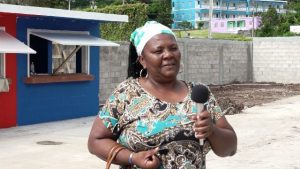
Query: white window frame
[(2, 66), (3, 62), (87, 48)]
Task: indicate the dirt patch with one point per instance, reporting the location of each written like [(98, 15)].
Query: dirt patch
[(233, 98)]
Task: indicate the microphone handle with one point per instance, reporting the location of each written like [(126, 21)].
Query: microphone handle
[(200, 108)]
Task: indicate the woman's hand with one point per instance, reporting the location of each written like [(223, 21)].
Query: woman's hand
[(146, 159), (203, 125), (221, 135)]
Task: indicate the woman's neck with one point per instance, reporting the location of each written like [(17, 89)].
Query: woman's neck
[(170, 91), (163, 85)]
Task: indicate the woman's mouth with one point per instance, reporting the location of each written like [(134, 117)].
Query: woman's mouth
[(169, 65)]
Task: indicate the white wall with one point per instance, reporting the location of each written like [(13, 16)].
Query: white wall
[(276, 59)]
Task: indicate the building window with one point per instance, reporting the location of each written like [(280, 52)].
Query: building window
[(2, 66), (173, 4), (216, 24), (240, 24), (222, 24), (230, 25), (250, 22), (61, 52), (54, 58), (198, 2)]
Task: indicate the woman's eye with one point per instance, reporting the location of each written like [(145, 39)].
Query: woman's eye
[(158, 51), (174, 48)]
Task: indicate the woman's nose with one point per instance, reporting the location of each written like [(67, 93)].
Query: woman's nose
[(168, 54)]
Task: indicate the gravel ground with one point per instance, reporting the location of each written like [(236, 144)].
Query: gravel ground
[(234, 98)]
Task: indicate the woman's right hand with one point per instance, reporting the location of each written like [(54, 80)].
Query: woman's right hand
[(146, 159)]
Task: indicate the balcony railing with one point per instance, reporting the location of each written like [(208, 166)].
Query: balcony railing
[(242, 9), (202, 19)]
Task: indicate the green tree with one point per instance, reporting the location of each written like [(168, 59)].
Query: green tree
[(160, 10), (62, 4), (44, 3), (294, 5), (200, 25), (270, 22), (185, 25), (137, 14), (274, 24)]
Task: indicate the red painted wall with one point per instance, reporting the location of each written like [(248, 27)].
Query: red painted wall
[(8, 100)]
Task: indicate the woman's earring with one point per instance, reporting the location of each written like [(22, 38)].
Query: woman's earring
[(141, 73)]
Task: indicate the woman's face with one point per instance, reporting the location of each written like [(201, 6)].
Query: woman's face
[(161, 57)]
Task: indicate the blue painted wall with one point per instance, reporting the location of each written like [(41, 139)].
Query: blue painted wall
[(56, 101)]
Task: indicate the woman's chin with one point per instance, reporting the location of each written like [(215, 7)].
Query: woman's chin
[(170, 74)]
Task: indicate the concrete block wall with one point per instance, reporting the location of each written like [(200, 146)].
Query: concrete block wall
[(276, 59), (216, 61), (113, 68)]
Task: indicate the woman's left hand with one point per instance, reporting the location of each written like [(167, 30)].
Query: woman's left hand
[(203, 125), (146, 159)]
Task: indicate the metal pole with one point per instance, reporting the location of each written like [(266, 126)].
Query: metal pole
[(252, 32), (221, 8), (210, 18), (250, 77), (69, 4)]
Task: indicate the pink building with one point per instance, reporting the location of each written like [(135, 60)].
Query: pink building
[(233, 25)]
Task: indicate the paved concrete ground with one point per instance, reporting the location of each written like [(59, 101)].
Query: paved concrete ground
[(268, 138)]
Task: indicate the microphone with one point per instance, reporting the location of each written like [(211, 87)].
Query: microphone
[(200, 95)]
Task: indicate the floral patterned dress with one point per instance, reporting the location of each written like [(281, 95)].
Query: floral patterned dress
[(142, 122)]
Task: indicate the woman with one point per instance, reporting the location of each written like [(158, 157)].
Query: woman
[(152, 114)]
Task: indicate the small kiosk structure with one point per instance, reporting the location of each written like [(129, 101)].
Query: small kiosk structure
[(49, 63)]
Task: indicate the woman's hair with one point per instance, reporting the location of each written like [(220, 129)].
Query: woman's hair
[(134, 66)]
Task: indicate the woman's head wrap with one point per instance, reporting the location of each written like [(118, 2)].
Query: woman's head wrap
[(143, 34)]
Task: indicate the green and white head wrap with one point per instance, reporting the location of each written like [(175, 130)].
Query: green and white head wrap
[(143, 34)]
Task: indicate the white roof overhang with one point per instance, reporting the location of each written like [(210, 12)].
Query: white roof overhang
[(30, 10), (66, 38), (9, 44)]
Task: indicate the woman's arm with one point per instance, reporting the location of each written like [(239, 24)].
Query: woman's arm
[(221, 135), (223, 139), (101, 141)]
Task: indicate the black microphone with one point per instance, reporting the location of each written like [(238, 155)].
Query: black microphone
[(200, 95)]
